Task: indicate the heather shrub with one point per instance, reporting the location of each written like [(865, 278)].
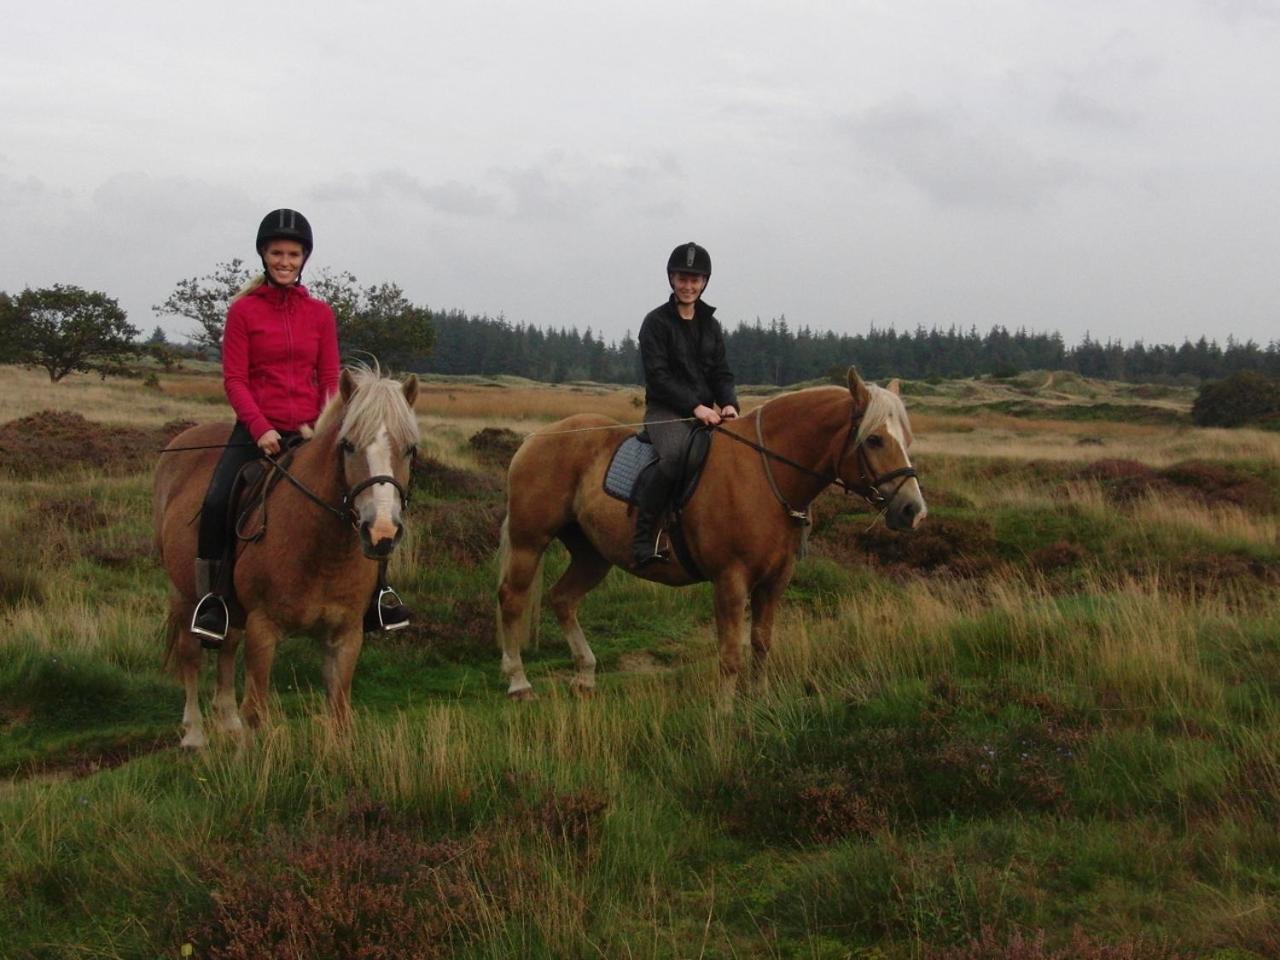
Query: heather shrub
[(1242, 398)]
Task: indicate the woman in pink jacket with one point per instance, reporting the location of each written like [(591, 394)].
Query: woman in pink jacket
[(279, 367)]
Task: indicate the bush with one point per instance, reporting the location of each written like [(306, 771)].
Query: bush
[(1242, 398)]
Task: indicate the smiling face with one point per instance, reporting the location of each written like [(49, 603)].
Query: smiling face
[(688, 287), (283, 260)]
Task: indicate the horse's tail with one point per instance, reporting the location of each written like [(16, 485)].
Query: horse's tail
[(526, 627)]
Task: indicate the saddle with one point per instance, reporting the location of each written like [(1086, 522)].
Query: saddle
[(634, 461), (249, 492), (634, 457)]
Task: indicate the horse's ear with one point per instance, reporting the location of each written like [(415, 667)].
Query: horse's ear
[(858, 389), (894, 386), (346, 385), (411, 389)]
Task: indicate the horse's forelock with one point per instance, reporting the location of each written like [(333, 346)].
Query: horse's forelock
[(376, 402), (885, 407)]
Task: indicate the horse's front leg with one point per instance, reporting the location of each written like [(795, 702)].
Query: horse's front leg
[(341, 653), (261, 636), (731, 622), (765, 597)]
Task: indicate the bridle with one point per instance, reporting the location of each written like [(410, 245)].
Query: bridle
[(349, 498), (866, 486), (345, 511)]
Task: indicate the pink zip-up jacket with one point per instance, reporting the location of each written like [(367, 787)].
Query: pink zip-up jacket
[(279, 358)]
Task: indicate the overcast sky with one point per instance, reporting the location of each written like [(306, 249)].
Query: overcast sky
[(1110, 166)]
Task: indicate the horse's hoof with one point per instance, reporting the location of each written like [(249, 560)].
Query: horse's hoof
[(583, 691), (524, 694), (193, 740)]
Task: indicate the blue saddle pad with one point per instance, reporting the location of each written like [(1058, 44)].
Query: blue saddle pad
[(629, 461)]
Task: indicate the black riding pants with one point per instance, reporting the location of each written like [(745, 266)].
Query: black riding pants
[(213, 514)]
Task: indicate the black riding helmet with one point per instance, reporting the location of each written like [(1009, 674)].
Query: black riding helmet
[(284, 224), (689, 258)]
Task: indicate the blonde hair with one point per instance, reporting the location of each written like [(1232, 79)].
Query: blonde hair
[(252, 284)]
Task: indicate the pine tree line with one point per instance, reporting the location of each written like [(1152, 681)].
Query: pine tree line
[(774, 353)]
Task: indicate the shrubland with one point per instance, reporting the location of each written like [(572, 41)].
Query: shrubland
[(1044, 725)]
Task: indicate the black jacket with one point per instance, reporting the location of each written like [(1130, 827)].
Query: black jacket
[(683, 360)]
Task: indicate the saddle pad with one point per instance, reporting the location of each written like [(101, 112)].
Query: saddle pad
[(628, 462)]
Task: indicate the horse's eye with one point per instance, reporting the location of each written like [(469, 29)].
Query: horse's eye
[(875, 442), (346, 446), (411, 453)]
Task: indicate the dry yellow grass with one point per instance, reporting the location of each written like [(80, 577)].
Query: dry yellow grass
[(1140, 638), (24, 392), (451, 408)]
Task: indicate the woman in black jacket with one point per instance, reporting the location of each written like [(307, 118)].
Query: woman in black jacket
[(685, 378)]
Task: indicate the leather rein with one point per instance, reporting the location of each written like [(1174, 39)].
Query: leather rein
[(345, 511), (867, 487)]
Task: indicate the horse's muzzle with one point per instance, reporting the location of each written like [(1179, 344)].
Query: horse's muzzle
[(378, 547), (906, 511)]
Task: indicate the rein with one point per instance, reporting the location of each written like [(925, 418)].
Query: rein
[(345, 512), (871, 494)]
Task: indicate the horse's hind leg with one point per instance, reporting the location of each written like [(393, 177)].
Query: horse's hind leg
[(188, 658), (587, 567), (184, 657), (519, 591)]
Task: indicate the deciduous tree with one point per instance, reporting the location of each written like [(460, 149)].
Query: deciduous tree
[(204, 300), (376, 320), (65, 328)]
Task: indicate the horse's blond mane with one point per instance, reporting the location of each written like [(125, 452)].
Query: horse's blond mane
[(376, 402), (884, 407)]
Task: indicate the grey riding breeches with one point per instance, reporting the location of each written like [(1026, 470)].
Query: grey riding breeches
[(668, 439)]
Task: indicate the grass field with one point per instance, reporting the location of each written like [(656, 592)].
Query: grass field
[(1045, 725)]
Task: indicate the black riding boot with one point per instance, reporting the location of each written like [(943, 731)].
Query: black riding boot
[(650, 503), (210, 619)]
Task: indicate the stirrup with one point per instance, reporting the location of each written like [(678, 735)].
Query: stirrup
[(655, 555), (387, 612), (210, 638)]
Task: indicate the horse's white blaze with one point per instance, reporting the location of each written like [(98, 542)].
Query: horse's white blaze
[(909, 492), (908, 499), (382, 496), (895, 431)]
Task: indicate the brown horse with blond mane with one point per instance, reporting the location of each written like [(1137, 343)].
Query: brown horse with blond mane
[(333, 517), (741, 525)]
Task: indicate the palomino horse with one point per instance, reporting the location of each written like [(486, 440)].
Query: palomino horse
[(740, 525), (336, 513)]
